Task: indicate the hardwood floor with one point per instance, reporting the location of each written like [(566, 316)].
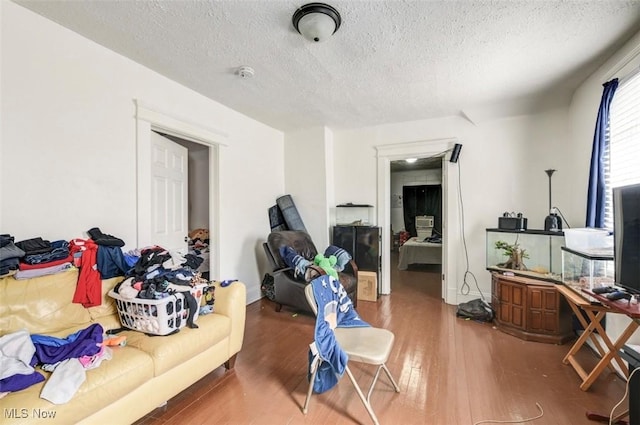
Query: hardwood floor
[(450, 371)]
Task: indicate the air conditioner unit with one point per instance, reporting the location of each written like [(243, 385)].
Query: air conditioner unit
[(424, 226), (424, 221)]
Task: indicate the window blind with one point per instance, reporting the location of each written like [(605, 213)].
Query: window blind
[(622, 159)]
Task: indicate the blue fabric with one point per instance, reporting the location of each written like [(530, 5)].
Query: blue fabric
[(59, 250), (335, 309), (596, 191), (19, 382), (131, 260), (341, 255), (111, 262), (294, 260), (85, 344), (52, 341)]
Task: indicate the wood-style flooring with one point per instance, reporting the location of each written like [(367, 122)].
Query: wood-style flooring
[(450, 371)]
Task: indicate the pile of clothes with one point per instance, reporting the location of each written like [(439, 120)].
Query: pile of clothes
[(68, 358), (150, 273), (33, 257), (10, 255), (159, 273)]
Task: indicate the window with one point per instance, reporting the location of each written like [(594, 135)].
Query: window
[(622, 159)]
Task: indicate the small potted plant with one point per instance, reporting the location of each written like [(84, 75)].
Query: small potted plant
[(515, 253)]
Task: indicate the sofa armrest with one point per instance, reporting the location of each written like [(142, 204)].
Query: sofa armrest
[(231, 301)]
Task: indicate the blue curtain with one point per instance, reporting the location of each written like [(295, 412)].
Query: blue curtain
[(596, 193)]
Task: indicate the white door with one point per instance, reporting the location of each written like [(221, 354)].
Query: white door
[(169, 218)]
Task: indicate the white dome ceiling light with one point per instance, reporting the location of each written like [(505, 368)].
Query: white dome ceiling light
[(316, 21)]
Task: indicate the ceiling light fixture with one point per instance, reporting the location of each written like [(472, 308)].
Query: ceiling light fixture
[(316, 21), (411, 160)]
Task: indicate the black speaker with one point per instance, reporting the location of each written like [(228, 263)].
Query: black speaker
[(455, 153)]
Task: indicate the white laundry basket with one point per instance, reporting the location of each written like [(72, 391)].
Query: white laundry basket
[(157, 317)]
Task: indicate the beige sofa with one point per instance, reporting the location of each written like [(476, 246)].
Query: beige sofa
[(141, 375)]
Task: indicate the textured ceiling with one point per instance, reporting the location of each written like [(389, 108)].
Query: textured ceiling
[(391, 61)]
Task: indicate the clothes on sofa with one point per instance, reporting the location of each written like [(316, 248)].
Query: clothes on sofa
[(19, 382), (86, 343), (89, 286), (9, 265), (16, 353), (111, 262), (20, 352), (104, 239), (9, 254), (34, 246), (6, 239), (59, 250), (135, 367), (25, 266), (44, 271), (64, 382), (16, 356)]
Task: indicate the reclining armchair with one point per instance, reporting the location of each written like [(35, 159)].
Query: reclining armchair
[(288, 286)]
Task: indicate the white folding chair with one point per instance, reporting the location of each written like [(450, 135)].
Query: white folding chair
[(367, 345)]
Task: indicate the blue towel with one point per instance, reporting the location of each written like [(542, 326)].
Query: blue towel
[(335, 309)]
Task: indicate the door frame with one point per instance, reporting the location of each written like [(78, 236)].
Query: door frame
[(149, 118), (420, 149)]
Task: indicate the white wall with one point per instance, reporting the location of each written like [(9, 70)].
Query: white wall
[(501, 164), (399, 179), (306, 179), (582, 115), (69, 144)]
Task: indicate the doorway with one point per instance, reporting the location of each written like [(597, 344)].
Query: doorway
[(416, 190), (198, 228), (422, 149), (205, 144)]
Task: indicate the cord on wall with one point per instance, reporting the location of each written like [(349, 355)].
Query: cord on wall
[(561, 215), (465, 289)]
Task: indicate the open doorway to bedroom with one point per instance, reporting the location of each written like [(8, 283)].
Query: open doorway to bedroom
[(435, 148), (416, 221)]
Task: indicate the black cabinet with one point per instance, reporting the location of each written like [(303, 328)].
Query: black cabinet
[(362, 242)]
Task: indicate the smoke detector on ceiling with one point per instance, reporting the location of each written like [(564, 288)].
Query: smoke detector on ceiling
[(246, 72)]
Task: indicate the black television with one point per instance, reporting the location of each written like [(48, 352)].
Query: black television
[(626, 237)]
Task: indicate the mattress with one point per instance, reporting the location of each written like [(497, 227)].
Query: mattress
[(415, 252)]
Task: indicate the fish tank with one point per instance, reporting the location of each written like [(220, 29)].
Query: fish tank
[(531, 253), (587, 269)]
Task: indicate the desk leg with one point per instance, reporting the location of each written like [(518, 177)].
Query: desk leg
[(597, 326), (611, 355), (589, 328)]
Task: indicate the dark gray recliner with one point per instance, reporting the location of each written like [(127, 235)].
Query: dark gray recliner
[(289, 289)]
